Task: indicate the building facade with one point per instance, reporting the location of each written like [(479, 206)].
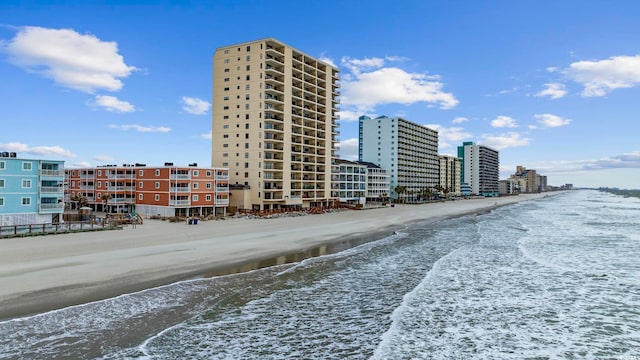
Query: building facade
[(378, 185), (31, 191), (274, 123), (349, 182), (163, 190), (480, 168), (450, 175), (407, 150)]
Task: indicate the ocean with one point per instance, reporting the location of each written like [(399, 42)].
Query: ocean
[(552, 278)]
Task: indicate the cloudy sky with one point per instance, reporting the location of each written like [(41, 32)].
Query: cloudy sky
[(552, 85)]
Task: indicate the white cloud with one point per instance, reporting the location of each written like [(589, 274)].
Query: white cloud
[(207, 136), (111, 103), (502, 141), (73, 60), (349, 149), (195, 106), (603, 76), (141, 128), (459, 120), (369, 84), (550, 120), (504, 121), (449, 136), (103, 158), (37, 150), (624, 161), (327, 60), (553, 90)]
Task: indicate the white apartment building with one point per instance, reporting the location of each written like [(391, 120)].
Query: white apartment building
[(349, 182), (480, 168), (378, 185), (407, 150), (274, 123), (450, 174)]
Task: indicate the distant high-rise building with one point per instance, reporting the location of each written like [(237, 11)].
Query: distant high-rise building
[(407, 150), (274, 123), (480, 167), (450, 174)]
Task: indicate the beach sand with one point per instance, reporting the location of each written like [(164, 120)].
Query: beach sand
[(43, 273)]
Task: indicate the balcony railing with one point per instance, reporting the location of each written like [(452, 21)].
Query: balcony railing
[(179, 202), (52, 189), (52, 207), (57, 173), (180, 176), (179, 189)]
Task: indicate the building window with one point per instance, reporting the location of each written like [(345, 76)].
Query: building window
[(1, 201), (225, 126), (195, 197), (99, 172), (248, 77), (226, 61), (139, 196), (195, 185), (26, 166), (226, 70), (1, 183), (195, 172), (246, 106), (141, 172), (157, 185), (248, 48), (2, 165), (226, 79), (226, 51), (99, 184), (26, 201), (208, 185), (140, 185), (246, 175), (226, 89), (157, 172), (157, 197), (208, 198), (248, 86), (26, 184), (248, 57)]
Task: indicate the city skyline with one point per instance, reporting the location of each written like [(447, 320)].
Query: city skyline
[(549, 85)]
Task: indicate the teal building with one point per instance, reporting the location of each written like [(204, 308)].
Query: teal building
[(31, 190)]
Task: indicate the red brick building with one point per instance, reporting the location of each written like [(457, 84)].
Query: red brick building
[(162, 190)]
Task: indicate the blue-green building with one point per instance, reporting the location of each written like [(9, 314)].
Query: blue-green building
[(31, 191)]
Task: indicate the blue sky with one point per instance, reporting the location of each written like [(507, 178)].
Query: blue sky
[(552, 85)]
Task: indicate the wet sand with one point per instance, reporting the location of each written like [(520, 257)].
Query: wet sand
[(44, 273)]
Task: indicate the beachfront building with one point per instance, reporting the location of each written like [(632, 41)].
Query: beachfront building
[(31, 191), (378, 185), (508, 187), (450, 175), (349, 182), (409, 152), (529, 180), (156, 190), (274, 123), (480, 168)]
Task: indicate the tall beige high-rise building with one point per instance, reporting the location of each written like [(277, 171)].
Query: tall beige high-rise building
[(275, 112)]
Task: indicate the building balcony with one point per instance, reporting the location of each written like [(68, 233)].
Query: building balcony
[(222, 202), (57, 207), (52, 190), (179, 189), (52, 173), (179, 176)]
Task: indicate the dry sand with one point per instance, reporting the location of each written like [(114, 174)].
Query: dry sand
[(43, 273)]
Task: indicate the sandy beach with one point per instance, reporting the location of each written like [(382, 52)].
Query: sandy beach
[(43, 273)]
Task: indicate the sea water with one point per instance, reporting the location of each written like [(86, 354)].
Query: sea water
[(553, 278)]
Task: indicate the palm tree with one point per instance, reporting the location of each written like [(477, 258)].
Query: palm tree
[(400, 190), (105, 198), (81, 200)]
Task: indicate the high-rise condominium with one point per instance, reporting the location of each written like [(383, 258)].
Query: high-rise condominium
[(275, 123), (409, 151), (480, 168)]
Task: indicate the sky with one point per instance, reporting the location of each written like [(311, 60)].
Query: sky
[(552, 85)]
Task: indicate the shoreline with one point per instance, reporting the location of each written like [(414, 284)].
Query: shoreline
[(45, 273)]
